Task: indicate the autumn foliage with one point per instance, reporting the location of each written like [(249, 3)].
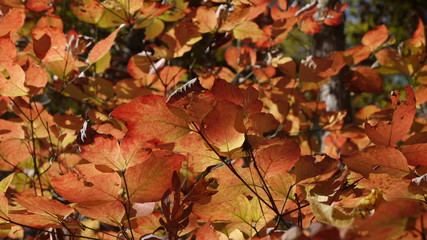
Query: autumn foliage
[(207, 131)]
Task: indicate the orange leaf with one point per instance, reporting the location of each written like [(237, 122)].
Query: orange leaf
[(35, 220), (106, 212), (311, 166), (4, 206), (421, 94), (226, 91), (148, 224), (12, 21), (419, 38), (248, 31), (149, 118), (51, 20), (260, 123), (377, 159), (38, 5), (223, 126), (356, 54), (10, 130), (376, 37), (278, 157), (392, 61), (105, 150), (49, 43), (12, 84), (13, 151), (88, 184), (310, 26), (148, 181), (387, 133), (391, 187), (169, 77), (206, 19), (102, 47), (314, 69), (194, 103), (43, 205), (415, 154), (200, 156), (390, 219), (364, 79), (207, 232), (88, 11), (7, 50)]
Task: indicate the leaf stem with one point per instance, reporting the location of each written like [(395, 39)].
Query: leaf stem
[(233, 170), (126, 203)]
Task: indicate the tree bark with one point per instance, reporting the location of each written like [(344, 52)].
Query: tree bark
[(328, 40)]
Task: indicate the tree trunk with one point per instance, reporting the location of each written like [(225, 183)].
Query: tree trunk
[(328, 40)]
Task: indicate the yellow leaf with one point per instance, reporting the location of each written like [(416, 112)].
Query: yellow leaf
[(248, 30)]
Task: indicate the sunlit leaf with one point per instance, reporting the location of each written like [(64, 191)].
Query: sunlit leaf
[(43, 205), (223, 126), (102, 47), (88, 183), (148, 181), (107, 212), (278, 158), (376, 37), (12, 79), (387, 133), (248, 31), (151, 111), (377, 159)]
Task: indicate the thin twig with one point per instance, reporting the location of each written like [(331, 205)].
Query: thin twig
[(126, 204)]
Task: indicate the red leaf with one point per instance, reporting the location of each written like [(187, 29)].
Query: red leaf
[(387, 133), (148, 181), (376, 37), (377, 159), (88, 184), (149, 118)]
